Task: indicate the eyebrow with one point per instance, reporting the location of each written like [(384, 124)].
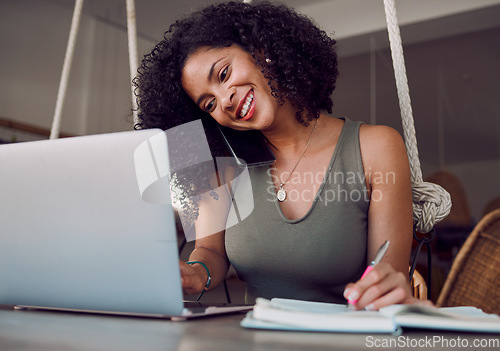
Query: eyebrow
[(211, 72), (209, 77)]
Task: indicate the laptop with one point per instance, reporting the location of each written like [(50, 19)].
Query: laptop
[(86, 224)]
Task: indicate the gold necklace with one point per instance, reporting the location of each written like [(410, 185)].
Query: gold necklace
[(281, 193)]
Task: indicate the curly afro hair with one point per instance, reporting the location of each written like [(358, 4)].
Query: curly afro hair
[(302, 70)]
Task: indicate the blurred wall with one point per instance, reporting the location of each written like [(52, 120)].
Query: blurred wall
[(33, 37)]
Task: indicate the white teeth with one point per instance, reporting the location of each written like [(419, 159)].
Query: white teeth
[(246, 106)]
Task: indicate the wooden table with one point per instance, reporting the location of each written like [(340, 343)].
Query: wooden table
[(55, 331)]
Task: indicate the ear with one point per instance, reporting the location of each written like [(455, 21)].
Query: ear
[(261, 58)]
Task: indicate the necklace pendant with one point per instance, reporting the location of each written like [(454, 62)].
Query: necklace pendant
[(281, 194)]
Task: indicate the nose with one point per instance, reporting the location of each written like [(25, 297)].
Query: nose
[(227, 100)]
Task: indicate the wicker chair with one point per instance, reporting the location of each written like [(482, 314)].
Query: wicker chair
[(474, 278), (419, 286)]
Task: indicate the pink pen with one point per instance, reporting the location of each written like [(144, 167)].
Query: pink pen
[(378, 257)]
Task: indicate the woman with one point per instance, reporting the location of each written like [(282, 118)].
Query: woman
[(337, 190)]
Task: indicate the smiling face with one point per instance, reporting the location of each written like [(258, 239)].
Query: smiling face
[(227, 84)]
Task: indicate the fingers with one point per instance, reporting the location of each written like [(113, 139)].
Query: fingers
[(396, 295), (380, 287), (354, 292), (191, 281)]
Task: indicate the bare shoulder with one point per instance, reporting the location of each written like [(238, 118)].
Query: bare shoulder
[(379, 136), (382, 146)]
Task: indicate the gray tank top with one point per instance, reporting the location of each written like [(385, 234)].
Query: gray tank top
[(313, 257)]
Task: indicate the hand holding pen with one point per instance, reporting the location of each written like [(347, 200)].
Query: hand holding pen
[(353, 297)]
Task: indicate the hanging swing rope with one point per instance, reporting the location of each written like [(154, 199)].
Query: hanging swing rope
[(132, 51), (431, 203), (68, 59)]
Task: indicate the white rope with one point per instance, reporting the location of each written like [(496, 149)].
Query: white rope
[(431, 203), (68, 59), (132, 51)]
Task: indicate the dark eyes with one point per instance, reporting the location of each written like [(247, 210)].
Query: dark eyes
[(223, 74), (209, 107)]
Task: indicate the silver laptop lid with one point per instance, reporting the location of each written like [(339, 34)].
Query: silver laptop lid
[(75, 231)]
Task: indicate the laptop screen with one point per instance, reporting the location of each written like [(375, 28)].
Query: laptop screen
[(76, 232)]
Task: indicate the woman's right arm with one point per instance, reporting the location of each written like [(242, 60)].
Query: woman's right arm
[(210, 242), (209, 250)]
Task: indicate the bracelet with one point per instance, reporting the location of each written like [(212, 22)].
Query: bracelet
[(208, 278)]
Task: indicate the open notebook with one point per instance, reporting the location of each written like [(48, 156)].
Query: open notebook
[(286, 314), (87, 224)]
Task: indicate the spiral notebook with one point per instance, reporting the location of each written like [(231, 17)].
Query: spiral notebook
[(298, 315)]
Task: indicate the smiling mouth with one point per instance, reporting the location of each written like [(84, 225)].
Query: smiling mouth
[(246, 105)]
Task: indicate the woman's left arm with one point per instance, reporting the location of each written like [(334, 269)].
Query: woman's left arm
[(389, 218)]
